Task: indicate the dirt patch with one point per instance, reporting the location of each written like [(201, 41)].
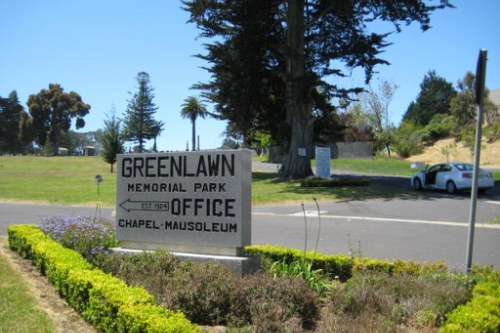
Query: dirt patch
[(65, 319), (448, 150)]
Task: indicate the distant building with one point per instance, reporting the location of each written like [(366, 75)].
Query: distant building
[(89, 151)]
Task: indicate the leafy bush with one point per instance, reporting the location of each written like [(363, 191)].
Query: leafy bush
[(439, 127), (406, 142), (492, 132), (81, 233), (302, 269), (481, 314), (337, 266)]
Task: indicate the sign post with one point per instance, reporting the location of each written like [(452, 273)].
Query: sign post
[(190, 202), (480, 83)]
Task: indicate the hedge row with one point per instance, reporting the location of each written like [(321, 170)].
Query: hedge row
[(103, 300), (341, 267), (339, 182), (481, 314)]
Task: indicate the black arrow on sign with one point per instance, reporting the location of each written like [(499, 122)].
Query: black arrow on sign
[(145, 206)]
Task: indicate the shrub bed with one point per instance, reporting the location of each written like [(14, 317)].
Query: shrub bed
[(379, 296), (105, 301), (210, 294)]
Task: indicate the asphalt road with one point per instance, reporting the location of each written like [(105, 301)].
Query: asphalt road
[(419, 230), (431, 226)]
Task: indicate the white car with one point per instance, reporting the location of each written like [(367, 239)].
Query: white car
[(452, 177)]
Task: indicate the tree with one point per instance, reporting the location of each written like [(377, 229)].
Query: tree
[(434, 98), (156, 133), (376, 108), (51, 112), (139, 123), (311, 34), (192, 108), (111, 140), (464, 109), (247, 87), (11, 113)]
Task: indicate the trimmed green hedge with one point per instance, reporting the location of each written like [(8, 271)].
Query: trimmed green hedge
[(341, 267), (105, 301), (320, 182), (481, 314)]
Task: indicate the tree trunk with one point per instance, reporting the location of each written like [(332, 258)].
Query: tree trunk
[(297, 162), (194, 135)]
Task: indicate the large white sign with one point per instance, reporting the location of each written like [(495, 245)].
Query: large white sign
[(198, 202)]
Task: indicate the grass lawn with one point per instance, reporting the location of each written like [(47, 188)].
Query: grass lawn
[(382, 166), (70, 181), (18, 309), (58, 180)]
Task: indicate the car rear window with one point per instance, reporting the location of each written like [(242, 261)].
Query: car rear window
[(464, 167)]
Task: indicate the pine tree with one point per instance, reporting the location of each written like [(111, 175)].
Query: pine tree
[(434, 98), (139, 122), (10, 116), (111, 140)]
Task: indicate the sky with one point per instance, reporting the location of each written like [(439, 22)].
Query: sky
[(96, 48)]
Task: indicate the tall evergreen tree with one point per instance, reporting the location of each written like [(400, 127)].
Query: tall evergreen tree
[(10, 116), (139, 123), (310, 34), (111, 140), (247, 87), (51, 112), (434, 98), (192, 108)]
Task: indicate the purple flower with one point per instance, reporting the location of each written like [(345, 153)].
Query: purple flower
[(81, 233)]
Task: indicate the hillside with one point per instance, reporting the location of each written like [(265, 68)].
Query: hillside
[(447, 150), (495, 96)]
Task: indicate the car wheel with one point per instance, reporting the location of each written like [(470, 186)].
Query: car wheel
[(417, 184), (451, 187)]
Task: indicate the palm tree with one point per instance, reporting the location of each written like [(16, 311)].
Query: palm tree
[(157, 129), (192, 109)]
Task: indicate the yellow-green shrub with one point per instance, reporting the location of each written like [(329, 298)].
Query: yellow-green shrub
[(481, 314), (107, 302), (341, 266)]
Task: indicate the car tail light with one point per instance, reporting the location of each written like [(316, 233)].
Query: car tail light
[(466, 175)]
